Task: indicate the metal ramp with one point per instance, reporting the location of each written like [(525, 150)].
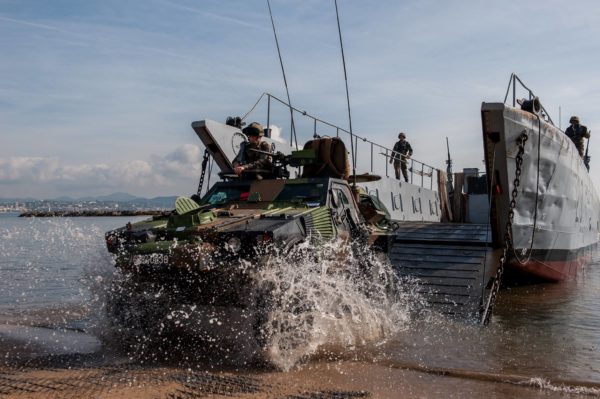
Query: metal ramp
[(448, 261)]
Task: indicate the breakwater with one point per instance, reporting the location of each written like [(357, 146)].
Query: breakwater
[(88, 213)]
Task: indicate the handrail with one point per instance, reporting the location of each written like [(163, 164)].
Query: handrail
[(513, 83), (423, 166)]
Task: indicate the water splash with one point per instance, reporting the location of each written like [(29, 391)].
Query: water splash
[(338, 296)]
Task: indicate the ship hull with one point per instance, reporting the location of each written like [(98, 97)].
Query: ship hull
[(556, 213)]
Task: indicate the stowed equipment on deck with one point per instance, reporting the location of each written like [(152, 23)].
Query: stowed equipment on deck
[(450, 261)]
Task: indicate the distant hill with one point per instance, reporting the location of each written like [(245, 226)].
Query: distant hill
[(64, 198), (13, 200), (118, 197), (127, 200)]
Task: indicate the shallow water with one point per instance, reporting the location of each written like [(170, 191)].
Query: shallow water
[(50, 271)]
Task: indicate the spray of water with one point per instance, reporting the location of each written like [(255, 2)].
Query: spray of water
[(337, 296)]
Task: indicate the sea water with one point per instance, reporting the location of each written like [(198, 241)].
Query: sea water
[(52, 270)]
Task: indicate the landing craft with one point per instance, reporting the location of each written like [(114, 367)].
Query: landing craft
[(556, 207)]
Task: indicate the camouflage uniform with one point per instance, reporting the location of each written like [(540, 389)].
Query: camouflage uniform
[(576, 133), (256, 165), (254, 161), (403, 148)]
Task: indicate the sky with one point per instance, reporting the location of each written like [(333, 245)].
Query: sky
[(98, 97)]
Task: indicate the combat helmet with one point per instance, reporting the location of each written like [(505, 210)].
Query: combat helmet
[(401, 135), (254, 129), (574, 119)]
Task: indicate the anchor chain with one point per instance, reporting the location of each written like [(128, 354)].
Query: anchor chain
[(491, 301), (204, 163)]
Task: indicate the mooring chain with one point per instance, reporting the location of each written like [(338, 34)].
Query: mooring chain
[(487, 312)]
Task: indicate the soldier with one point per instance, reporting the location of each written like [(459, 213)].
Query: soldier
[(577, 132), (401, 152), (253, 164)]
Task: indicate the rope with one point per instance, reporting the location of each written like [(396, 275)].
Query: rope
[(337, 14), (293, 132)]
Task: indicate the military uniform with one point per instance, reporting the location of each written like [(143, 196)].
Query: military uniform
[(401, 150), (577, 133), (253, 161), (256, 164)]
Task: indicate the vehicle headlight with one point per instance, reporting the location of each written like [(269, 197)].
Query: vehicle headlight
[(233, 245), (150, 236)]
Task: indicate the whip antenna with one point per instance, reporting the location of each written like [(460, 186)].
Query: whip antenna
[(293, 127), (337, 14)]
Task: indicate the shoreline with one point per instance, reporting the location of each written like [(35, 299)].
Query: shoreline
[(92, 213)]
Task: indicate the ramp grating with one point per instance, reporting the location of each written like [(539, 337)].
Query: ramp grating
[(447, 262)]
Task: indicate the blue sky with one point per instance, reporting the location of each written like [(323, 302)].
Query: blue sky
[(98, 97)]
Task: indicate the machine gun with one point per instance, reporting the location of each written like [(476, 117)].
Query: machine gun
[(281, 161), (586, 158)]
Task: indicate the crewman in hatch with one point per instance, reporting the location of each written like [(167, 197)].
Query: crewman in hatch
[(251, 162)]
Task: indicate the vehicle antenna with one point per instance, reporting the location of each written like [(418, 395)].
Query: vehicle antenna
[(450, 186), (559, 117), (293, 127), (337, 14)]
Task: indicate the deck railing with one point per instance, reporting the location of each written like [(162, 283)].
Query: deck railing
[(420, 173), (512, 83)]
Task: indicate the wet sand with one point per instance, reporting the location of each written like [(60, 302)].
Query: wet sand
[(43, 368)]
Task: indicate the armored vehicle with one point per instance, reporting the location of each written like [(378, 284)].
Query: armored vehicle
[(206, 252)]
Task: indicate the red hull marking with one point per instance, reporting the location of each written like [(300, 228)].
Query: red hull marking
[(557, 270)]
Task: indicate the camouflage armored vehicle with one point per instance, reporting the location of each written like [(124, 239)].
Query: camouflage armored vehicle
[(205, 252)]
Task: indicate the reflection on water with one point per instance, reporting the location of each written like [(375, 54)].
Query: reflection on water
[(546, 330)]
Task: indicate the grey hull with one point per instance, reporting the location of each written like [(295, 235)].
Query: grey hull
[(567, 221)]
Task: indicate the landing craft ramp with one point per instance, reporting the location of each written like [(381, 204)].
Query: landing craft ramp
[(451, 263)]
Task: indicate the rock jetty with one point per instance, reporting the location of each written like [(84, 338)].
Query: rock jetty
[(88, 213)]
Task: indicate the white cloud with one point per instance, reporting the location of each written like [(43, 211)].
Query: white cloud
[(162, 172)]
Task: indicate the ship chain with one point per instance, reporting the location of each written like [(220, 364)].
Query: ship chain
[(487, 312)]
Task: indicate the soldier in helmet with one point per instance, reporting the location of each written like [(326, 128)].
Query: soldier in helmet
[(401, 152), (577, 132), (251, 163)]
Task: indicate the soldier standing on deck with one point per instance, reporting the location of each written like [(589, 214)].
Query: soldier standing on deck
[(401, 152), (254, 164), (577, 132)]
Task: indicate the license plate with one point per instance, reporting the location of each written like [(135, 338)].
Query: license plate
[(150, 259)]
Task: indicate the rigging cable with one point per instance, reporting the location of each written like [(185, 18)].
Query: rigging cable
[(337, 14), (253, 107), (293, 132)]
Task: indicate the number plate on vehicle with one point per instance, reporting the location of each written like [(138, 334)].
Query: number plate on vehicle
[(150, 259)]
